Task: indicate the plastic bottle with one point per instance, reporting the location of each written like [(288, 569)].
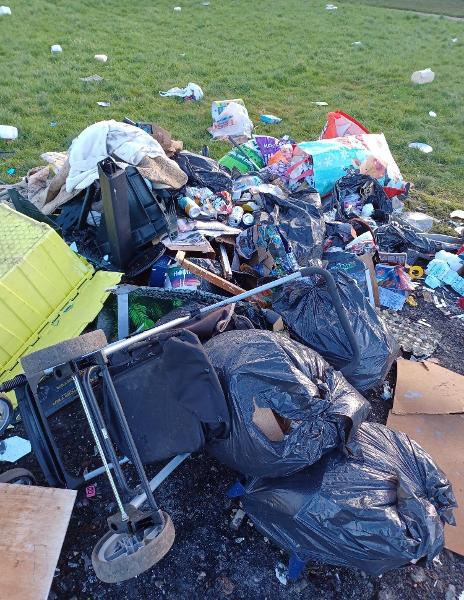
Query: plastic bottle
[(424, 76), (8, 132)]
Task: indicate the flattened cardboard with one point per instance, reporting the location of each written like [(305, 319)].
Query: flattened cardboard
[(427, 388), (369, 263), (429, 407)]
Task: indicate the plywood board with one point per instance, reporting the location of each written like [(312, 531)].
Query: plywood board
[(33, 524)]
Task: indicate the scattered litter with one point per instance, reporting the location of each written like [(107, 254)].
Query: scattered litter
[(192, 92), (320, 103), (91, 78), (239, 540), (425, 148), (270, 119), (14, 448), (422, 77), (177, 8), (101, 58), (281, 573), (53, 123), (457, 214), (419, 220), (5, 10), (387, 391), (205, 3), (90, 491), (11, 171), (432, 113), (56, 49), (413, 337), (8, 132), (237, 519), (331, 7), (104, 103), (455, 41), (230, 119), (357, 44)]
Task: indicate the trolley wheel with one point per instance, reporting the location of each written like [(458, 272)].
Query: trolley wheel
[(113, 560), (6, 413), (18, 476)]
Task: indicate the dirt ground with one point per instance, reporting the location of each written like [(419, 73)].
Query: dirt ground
[(209, 559)]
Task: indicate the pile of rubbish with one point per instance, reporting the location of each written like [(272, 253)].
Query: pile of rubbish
[(183, 229)]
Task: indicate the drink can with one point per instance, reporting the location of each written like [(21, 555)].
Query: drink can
[(236, 216), (248, 219), (189, 206)]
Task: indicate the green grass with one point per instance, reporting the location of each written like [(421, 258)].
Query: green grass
[(277, 55), (452, 8)]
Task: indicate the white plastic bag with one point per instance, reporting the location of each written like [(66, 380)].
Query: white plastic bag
[(424, 76), (191, 92), (232, 121)]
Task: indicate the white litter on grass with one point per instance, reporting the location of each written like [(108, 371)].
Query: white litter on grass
[(455, 41), (8, 132), (14, 448), (359, 44), (91, 78), (432, 113), (457, 214), (177, 8), (281, 573), (461, 596), (423, 76), (56, 49), (101, 57), (320, 103), (425, 148), (331, 7), (5, 10), (104, 103)]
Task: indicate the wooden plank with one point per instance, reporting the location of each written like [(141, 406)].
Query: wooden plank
[(33, 524)]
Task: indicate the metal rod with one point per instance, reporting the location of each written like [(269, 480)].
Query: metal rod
[(120, 345), (96, 472), (81, 394), (160, 477), (106, 440), (133, 452)]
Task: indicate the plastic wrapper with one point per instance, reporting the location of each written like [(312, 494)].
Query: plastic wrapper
[(377, 509), (245, 157), (340, 124), (352, 192), (300, 219), (203, 172), (306, 308), (230, 118), (288, 406), (366, 154)]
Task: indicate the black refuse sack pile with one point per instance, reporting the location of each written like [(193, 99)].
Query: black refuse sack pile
[(321, 483)]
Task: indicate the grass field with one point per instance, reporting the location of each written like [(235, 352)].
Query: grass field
[(452, 8), (278, 56)]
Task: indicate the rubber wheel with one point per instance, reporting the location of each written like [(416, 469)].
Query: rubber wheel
[(112, 564), (6, 413), (18, 476)]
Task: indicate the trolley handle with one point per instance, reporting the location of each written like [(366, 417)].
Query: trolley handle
[(341, 313), (12, 384)]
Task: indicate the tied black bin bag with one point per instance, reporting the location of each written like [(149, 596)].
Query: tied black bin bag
[(288, 406), (203, 171), (307, 310), (368, 190), (376, 510)]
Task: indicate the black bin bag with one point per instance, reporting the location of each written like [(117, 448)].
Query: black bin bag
[(203, 171), (307, 310), (376, 510), (301, 220), (288, 407)]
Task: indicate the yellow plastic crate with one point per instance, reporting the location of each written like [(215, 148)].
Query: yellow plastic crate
[(48, 293)]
